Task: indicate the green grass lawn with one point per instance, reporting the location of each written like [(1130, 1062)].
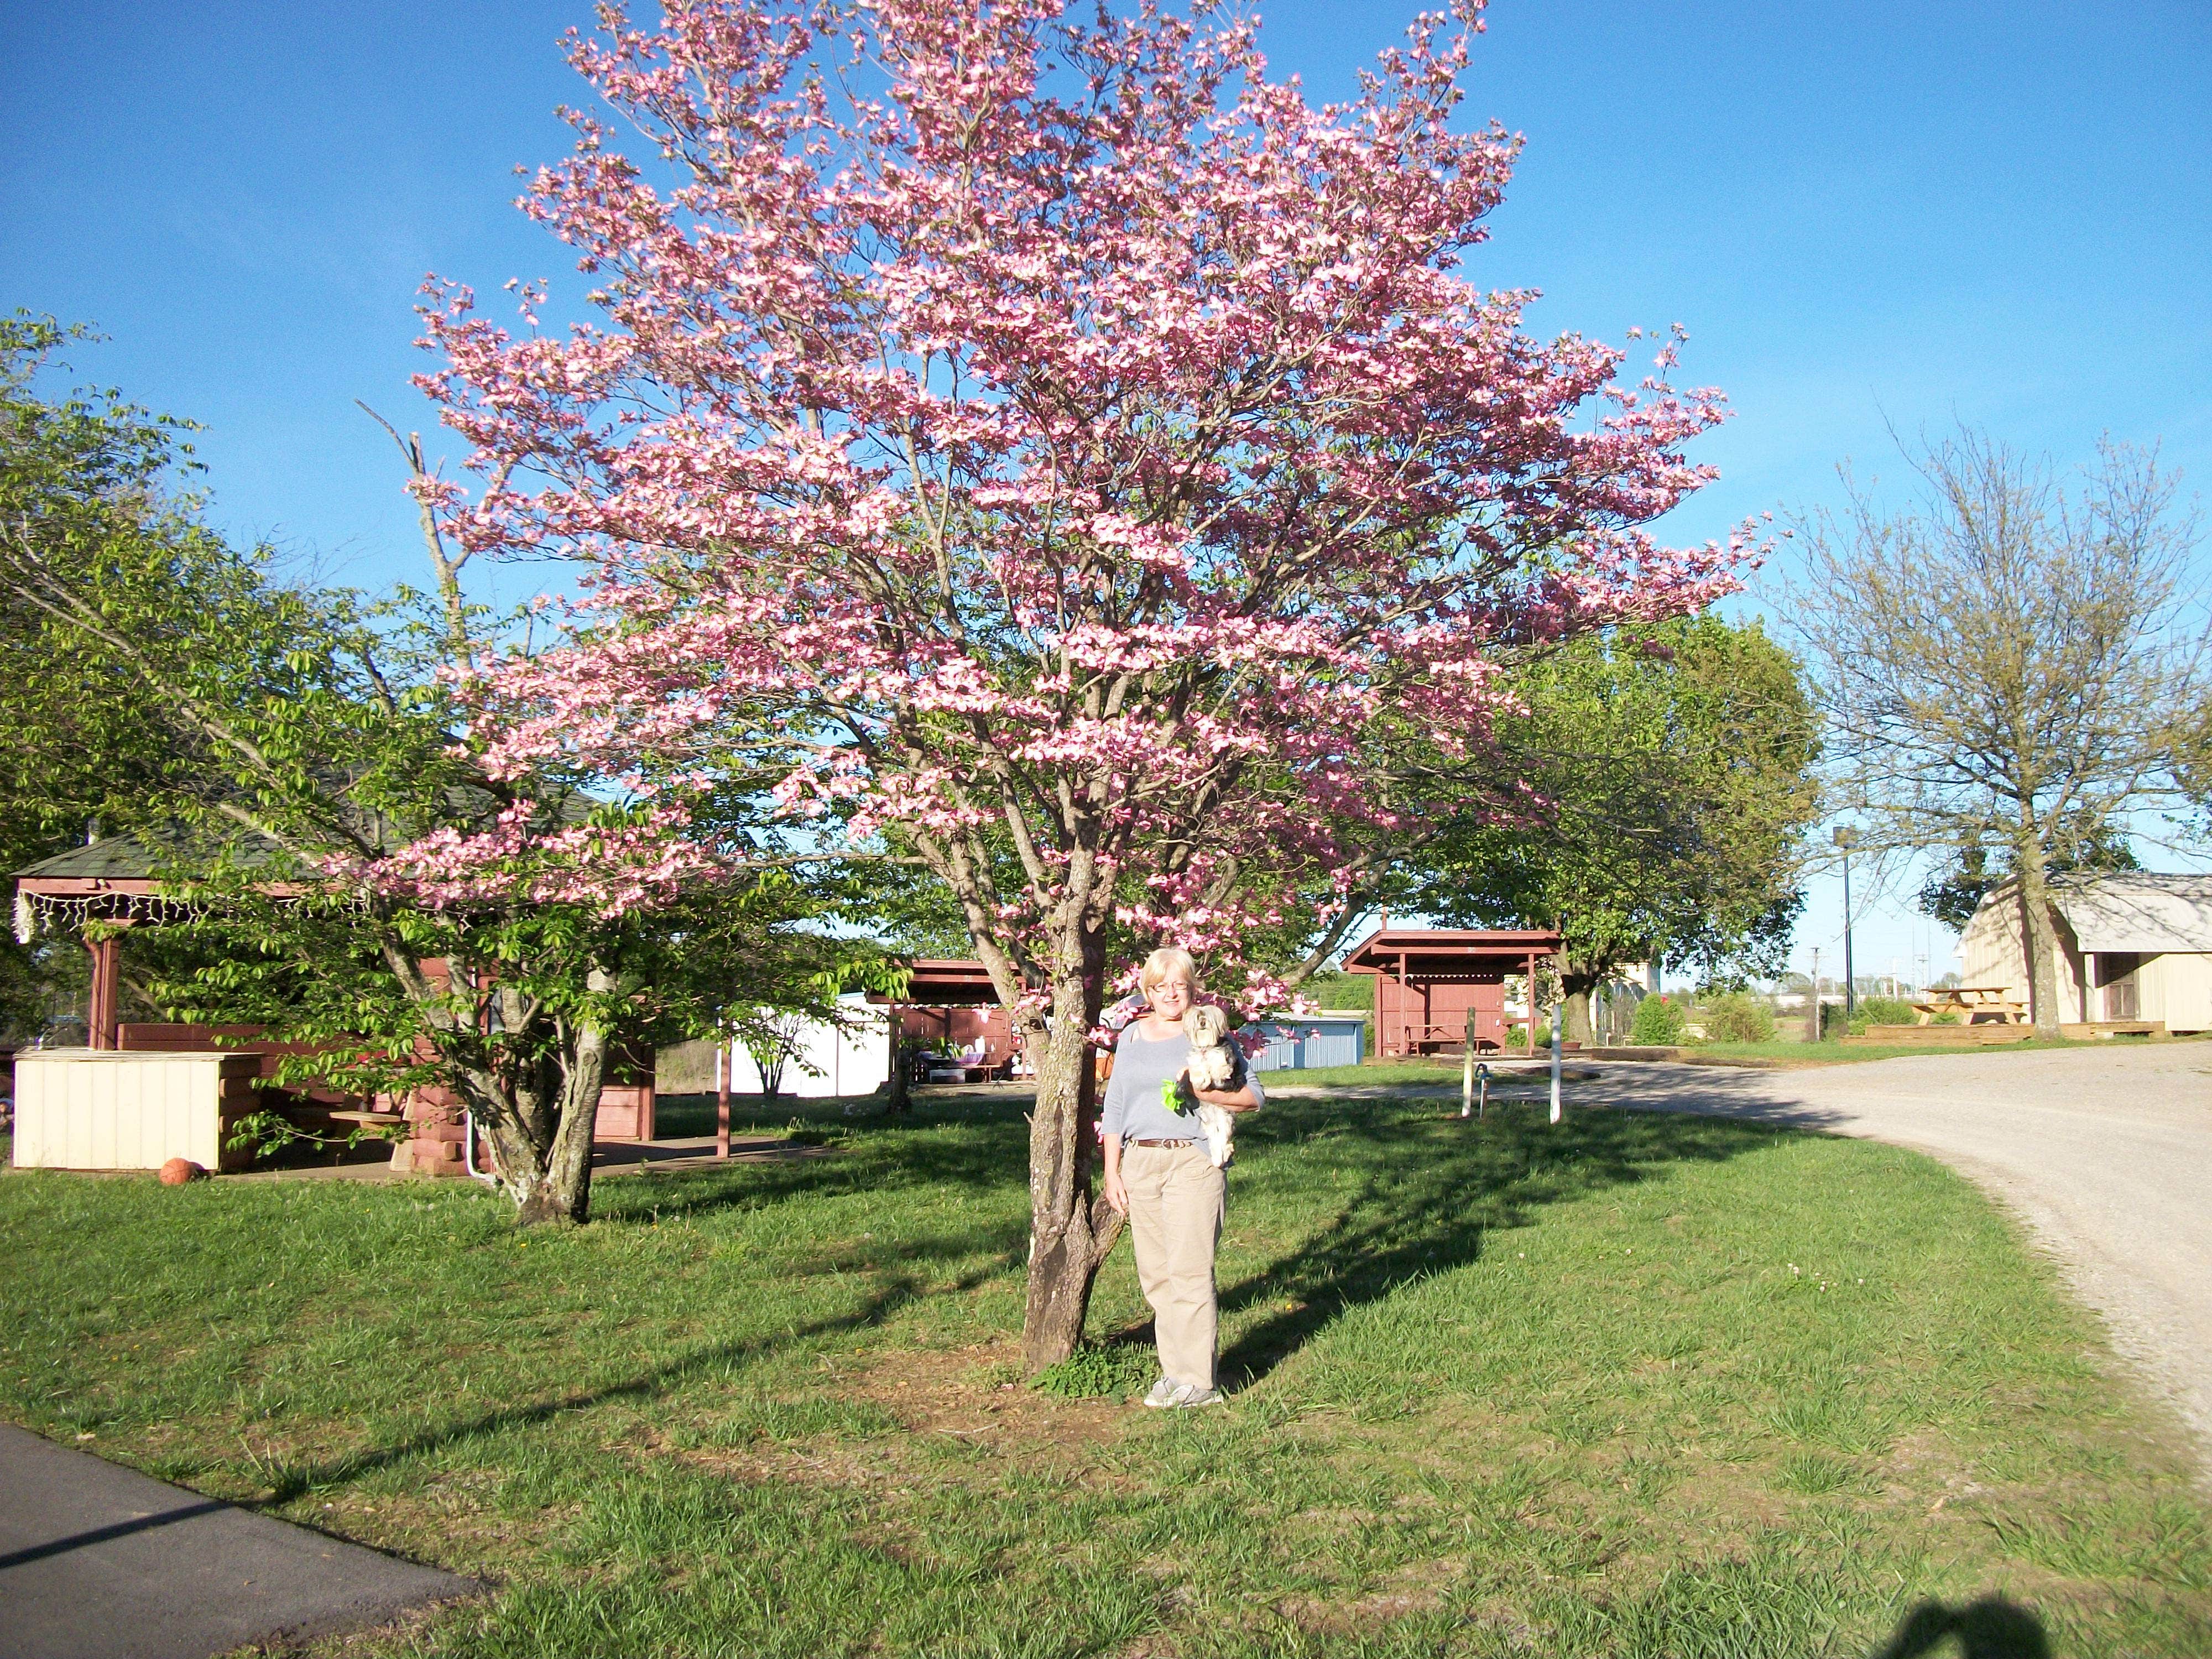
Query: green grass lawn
[(1636, 1386)]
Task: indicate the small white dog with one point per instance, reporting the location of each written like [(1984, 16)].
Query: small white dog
[(1214, 1065)]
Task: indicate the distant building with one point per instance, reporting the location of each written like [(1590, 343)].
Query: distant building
[(2129, 945)]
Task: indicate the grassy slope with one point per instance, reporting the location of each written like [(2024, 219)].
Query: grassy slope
[(1638, 1386)]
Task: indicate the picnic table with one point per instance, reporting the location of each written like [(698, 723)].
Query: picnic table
[(1993, 1003)]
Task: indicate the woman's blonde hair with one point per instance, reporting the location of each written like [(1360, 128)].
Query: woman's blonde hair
[(1166, 964)]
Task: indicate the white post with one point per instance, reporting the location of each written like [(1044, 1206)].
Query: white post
[(1466, 1071), (1555, 1062)]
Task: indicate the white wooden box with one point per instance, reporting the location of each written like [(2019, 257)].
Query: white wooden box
[(85, 1109)]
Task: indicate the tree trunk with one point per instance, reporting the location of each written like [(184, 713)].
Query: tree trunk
[(2038, 935), (541, 1128), (1577, 981), (1071, 1231), (563, 1193), (902, 1094), (540, 1125)]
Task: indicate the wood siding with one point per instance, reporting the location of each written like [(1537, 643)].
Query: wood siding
[(79, 1109)]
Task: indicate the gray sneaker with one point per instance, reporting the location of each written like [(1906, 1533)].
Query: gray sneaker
[(1189, 1393), (1164, 1393)]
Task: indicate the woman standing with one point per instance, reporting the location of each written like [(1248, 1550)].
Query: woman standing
[(1158, 1175)]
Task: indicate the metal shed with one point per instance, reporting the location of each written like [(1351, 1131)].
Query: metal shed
[(1298, 1043)]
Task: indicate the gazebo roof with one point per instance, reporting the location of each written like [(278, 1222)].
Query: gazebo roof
[(1444, 953), (947, 982), (122, 878), (111, 859)]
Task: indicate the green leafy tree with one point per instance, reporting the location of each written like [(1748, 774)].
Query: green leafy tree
[(84, 472), (1977, 869), (300, 762), (1659, 1022), (1738, 1017), (1666, 787), (2009, 664)]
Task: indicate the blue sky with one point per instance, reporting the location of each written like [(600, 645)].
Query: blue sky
[(1867, 217)]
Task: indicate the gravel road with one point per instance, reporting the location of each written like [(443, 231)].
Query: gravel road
[(2106, 1154)]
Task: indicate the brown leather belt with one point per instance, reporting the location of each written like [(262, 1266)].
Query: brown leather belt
[(1163, 1143)]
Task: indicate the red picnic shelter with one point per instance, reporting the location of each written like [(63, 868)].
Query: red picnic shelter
[(952, 1000), (1428, 981)]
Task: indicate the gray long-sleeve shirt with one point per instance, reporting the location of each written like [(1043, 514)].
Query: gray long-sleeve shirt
[(1133, 1109)]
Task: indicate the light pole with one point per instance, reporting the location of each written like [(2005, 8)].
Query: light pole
[(1847, 838)]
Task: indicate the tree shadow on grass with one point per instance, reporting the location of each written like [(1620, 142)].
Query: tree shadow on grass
[(984, 1152), (897, 1291), (1412, 1189), (1430, 1188)]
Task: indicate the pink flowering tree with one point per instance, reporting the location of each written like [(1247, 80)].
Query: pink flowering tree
[(1074, 449)]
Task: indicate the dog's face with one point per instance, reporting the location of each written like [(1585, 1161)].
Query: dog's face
[(1206, 1025)]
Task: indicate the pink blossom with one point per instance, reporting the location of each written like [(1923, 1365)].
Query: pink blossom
[(1036, 433)]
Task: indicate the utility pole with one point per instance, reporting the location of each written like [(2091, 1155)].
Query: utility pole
[(1847, 838)]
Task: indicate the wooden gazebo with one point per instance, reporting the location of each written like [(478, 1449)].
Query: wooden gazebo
[(952, 1001), (1430, 980), (115, 881), (126, 882)]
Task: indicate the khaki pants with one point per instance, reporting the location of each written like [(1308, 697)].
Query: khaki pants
[(1176, 1201)]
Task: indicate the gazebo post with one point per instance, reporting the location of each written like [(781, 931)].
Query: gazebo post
[(101, 1012), (1532, 1004), (723, 1066)]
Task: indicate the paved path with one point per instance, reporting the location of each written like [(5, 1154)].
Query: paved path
[(98, 1562), (2106, 1153)]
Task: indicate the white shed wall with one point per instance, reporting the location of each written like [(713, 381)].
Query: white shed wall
[(1992, 952), (855, 1061), (2176, 988), (81, 1109)]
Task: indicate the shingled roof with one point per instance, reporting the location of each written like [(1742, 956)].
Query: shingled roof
[(140, 857), (111, 858)]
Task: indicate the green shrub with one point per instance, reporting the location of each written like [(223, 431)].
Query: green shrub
[(1739, 1017), (1098, 1371), (1882, 1011), (1658, 1021)]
